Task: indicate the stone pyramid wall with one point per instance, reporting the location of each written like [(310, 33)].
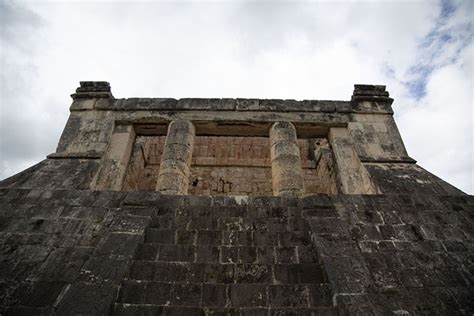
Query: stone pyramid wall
[(70, 252), (389, 239)]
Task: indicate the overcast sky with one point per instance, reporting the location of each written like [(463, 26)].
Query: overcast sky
[(422, 50)]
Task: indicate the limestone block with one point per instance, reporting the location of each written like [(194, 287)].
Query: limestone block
[(175, 164), (376, 138), (352, 175), (86, 132), (287, 173), (114, 163), (171, 184), (284, 148), (282, 131), (83, 104), (176, 152), (181, 133)]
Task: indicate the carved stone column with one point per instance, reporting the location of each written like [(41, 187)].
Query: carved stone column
[(287, 173), (175, 164), (352, 176)]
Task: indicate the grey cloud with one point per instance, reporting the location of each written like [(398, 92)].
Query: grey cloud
[(205, 49), (18, 122), (17, 24)]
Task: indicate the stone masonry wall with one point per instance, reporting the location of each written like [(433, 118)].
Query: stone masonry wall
[(144, 165), (65, 252), (398, 254), (231, 165), (318, 166), (69, 252), (55, 174)]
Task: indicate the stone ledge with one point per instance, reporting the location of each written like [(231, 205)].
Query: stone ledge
[(91, 95), (75, 155), (362, 92), (227, 104), (387, 160)]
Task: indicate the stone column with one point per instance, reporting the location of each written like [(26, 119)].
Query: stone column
[(352, 176), (114, 163), (175, 164), (287, 173)]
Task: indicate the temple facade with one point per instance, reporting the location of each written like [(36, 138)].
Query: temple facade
[(154, 206)]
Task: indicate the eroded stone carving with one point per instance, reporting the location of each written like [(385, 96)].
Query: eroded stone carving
[(175, 164), (287, 173)]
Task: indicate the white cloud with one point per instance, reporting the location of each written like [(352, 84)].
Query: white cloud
[(439, 129), (294, 50)]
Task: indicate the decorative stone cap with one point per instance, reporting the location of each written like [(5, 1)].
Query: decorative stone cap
[(365, 92), (93, 89), (372, 90)]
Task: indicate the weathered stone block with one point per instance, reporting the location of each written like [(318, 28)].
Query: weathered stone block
[(186, 294), (157, 293), (86, 298), (207, 254), (288, 296), (247, 254), (248, 295), (160, 236), (286, 255), (132, 292), (146, 252), (229, 255), (176, 253), (209, 237), (118, 244), (215, 273), (253, 273), (214, 295), (186, 237), (299, 273)]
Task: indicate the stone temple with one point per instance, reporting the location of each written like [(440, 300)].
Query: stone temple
[(158, 206)]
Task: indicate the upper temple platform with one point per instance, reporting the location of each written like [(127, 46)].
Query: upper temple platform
[(101, 91), (232, 146)]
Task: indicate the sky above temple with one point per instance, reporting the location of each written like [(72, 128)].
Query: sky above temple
[(422, 50)]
